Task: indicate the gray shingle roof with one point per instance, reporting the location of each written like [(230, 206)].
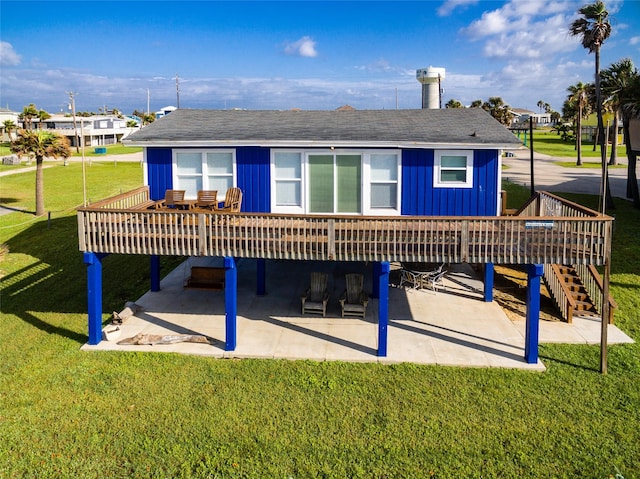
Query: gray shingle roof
[(420, 128)]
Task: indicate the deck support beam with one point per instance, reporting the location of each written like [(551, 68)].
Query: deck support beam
[(383, 305), (488, 282), (534, 274), (155, 272), (375, 286), (230, 303), (94, 295)]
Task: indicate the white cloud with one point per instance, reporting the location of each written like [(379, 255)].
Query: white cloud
[(305, 47), (8, 56), (449, 6), (634, 40)]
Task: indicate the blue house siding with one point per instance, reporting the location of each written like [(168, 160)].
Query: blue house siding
[(253, 175), (159, 172), (419, 197)]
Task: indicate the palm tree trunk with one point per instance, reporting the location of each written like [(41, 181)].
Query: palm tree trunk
[(607, 197), (39, 187), (579, 137), (632, 181), (613, 160)]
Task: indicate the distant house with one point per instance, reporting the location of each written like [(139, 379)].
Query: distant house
[(521, 117), (165, 111), (97, 130), (6, 114), (361, 162)]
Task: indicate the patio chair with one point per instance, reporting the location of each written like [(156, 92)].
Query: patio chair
[(435, 281), (207, 199), (410, 278), (232, 200), (172, 198), (354, 300), (315, 299)]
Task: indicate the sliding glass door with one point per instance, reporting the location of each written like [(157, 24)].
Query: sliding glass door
[(335, 183)]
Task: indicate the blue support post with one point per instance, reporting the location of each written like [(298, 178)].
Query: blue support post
[(230, 302), (383, 306), (94, 295), (375, 287), (488, 282), (261, 276), (155, 272), (533, 313)]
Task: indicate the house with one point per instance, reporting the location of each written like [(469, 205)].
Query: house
[(97, 130), (385, 162), (353, 186)]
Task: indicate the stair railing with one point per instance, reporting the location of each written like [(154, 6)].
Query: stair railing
[(592, 282), (559, 291)]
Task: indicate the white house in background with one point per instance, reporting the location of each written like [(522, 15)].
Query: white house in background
[(165, 111), (97, 130), (6, 114), (521, 116)]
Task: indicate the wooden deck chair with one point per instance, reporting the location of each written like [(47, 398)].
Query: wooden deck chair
[(354, 300), (171, 197), (315, 299), (207, 199), (232, 200)]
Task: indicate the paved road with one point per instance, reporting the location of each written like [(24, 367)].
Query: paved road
[(551, 177)]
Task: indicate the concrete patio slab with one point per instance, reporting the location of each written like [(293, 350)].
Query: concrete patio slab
[(453, 327)]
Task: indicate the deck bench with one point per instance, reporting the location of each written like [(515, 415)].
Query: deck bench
[(206, 277)]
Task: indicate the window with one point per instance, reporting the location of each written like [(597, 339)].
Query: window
[(340, 181), (384, 181), (453, 169), (287, 177), (203, 170)]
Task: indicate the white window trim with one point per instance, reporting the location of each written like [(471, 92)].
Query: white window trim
[(438, 154), (292, 209), (204, 174), (365, 155)]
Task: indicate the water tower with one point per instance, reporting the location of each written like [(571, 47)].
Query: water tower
[(431, 79)]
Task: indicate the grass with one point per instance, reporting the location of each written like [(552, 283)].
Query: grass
[(550, 143), (66, 413)]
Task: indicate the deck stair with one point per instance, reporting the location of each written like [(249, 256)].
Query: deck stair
[(572, 294)]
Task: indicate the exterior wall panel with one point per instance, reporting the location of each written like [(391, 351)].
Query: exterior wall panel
[(159, 172), (420, 198), (253, 170)]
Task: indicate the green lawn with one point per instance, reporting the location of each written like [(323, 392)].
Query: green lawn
[(65, 413), (549, 143)]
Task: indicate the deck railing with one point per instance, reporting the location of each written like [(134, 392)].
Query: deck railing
[(115, 225)]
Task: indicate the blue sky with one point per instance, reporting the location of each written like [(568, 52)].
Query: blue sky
[(310, 55)]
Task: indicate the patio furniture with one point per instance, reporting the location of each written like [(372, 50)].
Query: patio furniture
[(207, 199), (172, 199), (420, 279), (232, 200), (315, 299), (436, 281), (354, 300)]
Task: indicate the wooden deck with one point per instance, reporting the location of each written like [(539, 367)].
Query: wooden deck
[(549, 230)]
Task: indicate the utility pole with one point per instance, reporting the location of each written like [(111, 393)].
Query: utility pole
[(72, 105), (178, 90)]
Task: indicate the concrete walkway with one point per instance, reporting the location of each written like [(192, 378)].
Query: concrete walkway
[(454, 327), (549, 176)]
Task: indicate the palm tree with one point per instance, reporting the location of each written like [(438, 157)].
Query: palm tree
[(616, 81), (579, 99), (498, 109), (594, 28), (9, 126), (41, 144), (42, 116), (454, 104), (476, 104), (631, 109), (29, 112)]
